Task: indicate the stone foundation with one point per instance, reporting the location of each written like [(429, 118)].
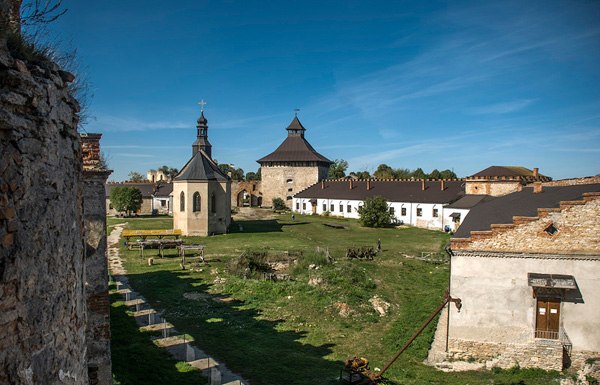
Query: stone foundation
[(547, 355)]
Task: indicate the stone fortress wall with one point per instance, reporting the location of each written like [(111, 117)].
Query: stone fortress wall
[(45, 325)]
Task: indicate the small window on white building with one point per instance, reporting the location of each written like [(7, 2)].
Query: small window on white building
[(324, 207), (403, 211), (391, 211), (435, 213), (349, 208), (419, 212), (303, 205), (297, 205), (332, 208), (341, 208)]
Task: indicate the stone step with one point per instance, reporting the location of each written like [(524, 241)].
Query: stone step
[(204, 363)]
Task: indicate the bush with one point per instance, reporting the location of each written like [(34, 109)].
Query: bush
[(279, 204), (375, 212)]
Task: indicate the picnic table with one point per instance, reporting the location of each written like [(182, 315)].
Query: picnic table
[(160, 234), (182, 248), (160, 243)]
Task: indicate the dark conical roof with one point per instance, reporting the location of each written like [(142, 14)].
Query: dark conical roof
[(296, 125), (201, 167), (295, 148)]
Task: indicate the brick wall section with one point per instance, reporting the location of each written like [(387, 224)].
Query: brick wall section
[(253, 188), (96, 265), (578, 225), (90, 151), (42, 293)]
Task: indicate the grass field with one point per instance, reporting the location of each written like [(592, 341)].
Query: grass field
[(293, 332)]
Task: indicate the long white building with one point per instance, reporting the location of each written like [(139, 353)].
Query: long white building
[(418, 203)]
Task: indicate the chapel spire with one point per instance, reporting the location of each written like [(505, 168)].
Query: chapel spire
[(202, 142)]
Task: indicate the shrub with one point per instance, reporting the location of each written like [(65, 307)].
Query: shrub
[(375, 212), (279, 204)]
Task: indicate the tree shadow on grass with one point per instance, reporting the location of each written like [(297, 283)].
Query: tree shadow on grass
[(261, 226), (234, 335), (135, 359)]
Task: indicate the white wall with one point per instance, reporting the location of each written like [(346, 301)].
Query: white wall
[(498, 304), (426, 220)]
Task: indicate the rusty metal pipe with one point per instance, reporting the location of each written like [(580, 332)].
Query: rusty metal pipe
[(439, 309)]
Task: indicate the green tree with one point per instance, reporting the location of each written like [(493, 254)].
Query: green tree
[(338, 169), (375, 212), (402, 173), (253, 175), (170, 172), (224, 168), (126, 199), (435, 174), (237, 174), (136, 177), (361, 174), (384, 172), (447, 174), (279, 204), (418, 174)]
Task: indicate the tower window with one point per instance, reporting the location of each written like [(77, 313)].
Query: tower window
[(289, 181)]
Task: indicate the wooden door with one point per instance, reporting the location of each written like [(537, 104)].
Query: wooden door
[(547, 318), (314, 207)]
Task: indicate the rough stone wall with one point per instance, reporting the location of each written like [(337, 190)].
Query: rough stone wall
[(42, 296), (573, 182), (285, 181), (547, 356), (578, 225), (493, 188), (253, 188), (96, 266)]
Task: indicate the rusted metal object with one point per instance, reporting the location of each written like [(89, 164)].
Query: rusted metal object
[(367, 252), (376, 377)]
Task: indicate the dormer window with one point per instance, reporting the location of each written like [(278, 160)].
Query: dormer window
[(551, 230)]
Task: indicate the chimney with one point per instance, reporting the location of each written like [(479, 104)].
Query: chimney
[(535, 172), (322, 184), (537, 187), (350, 184), (423, 185), (442, 185), (90, 149), (368, 185)]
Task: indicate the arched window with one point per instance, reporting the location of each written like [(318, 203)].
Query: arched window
[(182, 202), (196, 201), (213, 203)]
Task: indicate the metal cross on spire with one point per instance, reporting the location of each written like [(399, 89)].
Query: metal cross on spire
[(296, 111), (202, 103)]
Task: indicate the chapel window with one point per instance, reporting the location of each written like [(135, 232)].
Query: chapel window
[(182, 202), (196, 202), (213, 203)]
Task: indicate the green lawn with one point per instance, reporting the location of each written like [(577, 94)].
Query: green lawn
[(292, 332)]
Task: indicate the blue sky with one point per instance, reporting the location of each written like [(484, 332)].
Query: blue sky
[(458, 84)]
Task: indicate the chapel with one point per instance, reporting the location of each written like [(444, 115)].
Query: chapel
[(201, 192), (292, 167)]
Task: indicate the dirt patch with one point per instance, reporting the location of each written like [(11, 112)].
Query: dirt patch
[(255, 213)]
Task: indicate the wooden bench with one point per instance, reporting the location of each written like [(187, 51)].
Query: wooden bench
[(160, 234), (183, 248), (159, 243)]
